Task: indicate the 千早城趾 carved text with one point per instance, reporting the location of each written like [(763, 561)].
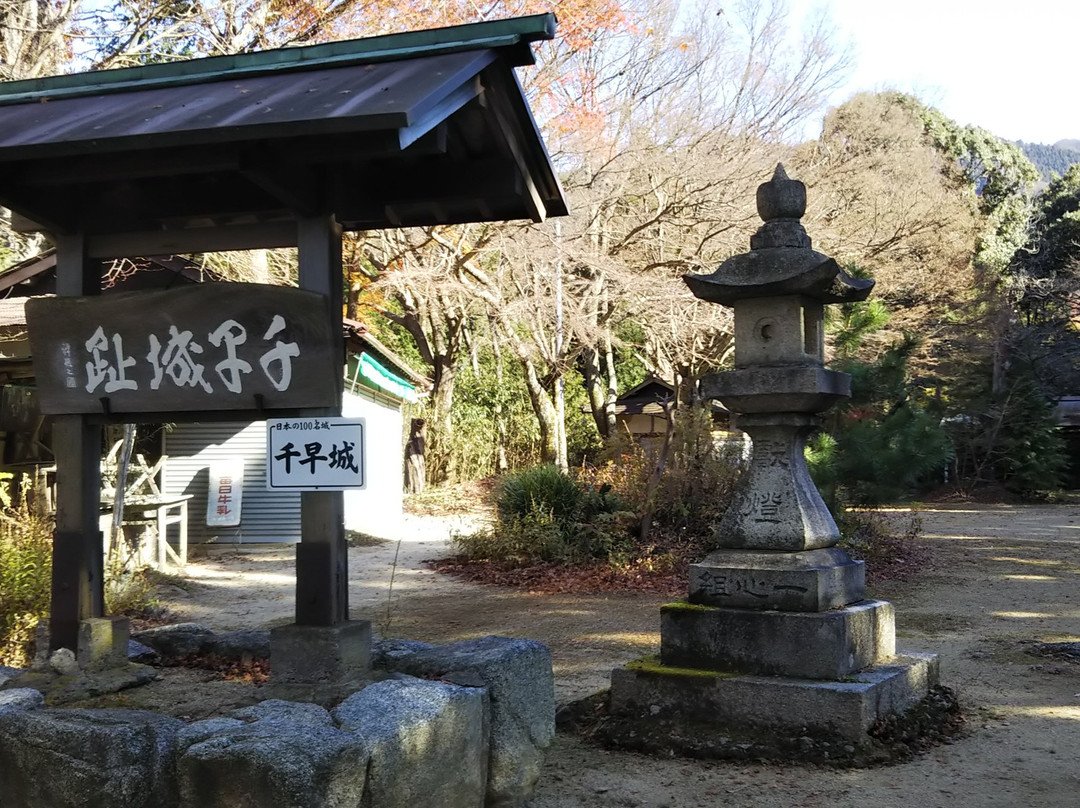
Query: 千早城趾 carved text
[(181, 359)]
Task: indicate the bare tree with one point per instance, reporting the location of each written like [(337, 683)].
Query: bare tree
[(688, 118)]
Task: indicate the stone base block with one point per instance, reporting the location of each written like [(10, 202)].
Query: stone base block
[(80, 758), (427, 741), (810, 645), (810, 581), (103, 643), (320, 663), (521, 688), (846, 709)]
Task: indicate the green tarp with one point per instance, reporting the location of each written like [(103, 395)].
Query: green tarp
[(383, 379)]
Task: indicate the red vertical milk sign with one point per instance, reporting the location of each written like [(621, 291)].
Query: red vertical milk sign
[(224, 493)]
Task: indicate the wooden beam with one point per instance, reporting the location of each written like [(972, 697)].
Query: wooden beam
[(31, 270), (47, 213), (147, 204), (194, 240), (503, 93), (178, 162), (78, 590), (318, 239), (471, 191), (322, 563)]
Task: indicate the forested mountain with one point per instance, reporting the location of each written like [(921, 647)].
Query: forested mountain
[(1052, 160)]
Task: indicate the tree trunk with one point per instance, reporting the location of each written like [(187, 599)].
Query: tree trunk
[(612, 385), (443, 466), (596, 390), (544, 409), (658, 474), (123, 464), (414, 457), (501, 463)]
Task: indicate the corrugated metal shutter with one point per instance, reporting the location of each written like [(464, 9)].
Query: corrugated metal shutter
[(266, 516)]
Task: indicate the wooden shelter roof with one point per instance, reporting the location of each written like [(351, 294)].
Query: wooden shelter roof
[(429, 127), (652, 397)]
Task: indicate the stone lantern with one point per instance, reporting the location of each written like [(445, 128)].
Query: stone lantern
[(777, 391), (776, 638)]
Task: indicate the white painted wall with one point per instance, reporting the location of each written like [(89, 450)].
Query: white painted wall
[(377, 510)]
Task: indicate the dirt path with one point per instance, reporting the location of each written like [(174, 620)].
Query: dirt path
[(1003, 577)]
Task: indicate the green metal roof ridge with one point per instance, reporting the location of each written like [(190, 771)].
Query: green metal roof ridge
[(493, 34)]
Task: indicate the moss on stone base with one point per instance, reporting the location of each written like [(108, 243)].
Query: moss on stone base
[(685, 606), (651, 664)]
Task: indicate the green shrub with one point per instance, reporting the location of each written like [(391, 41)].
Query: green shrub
[(700, 479), (697, 484), (538, 491), (25, 582), (545, 515), (519, 539)]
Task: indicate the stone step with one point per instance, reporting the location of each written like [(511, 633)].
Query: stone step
[(810, 645), (808, 581), (846, 707)]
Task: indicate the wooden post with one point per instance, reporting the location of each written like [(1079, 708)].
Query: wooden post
[(322, 567), (78, 589)]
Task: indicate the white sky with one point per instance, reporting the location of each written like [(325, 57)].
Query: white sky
[(1012, 68)]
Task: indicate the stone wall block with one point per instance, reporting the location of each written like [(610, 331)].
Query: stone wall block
[(18, 699), (273, 762), (428, 742), (384, 653), (521, 686), (7, 673), (87, 759), (239, 644), (293, 711), (179, 639)]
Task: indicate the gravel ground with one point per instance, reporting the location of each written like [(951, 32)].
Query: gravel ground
[(1003, 578)]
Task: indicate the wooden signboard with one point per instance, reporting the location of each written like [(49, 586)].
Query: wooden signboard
[(214, 346), (315, 454)]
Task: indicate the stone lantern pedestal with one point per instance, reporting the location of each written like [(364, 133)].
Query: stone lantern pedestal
[(776, 640)]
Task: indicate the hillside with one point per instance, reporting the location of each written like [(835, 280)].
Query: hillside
[(1055, 159)]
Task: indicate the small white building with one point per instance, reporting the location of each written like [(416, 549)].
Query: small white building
[(377, 385)]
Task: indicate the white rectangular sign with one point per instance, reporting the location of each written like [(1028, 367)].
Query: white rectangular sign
[(224, 494), (315, 454)]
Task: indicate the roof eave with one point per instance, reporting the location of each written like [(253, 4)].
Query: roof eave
[(511, 37)]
